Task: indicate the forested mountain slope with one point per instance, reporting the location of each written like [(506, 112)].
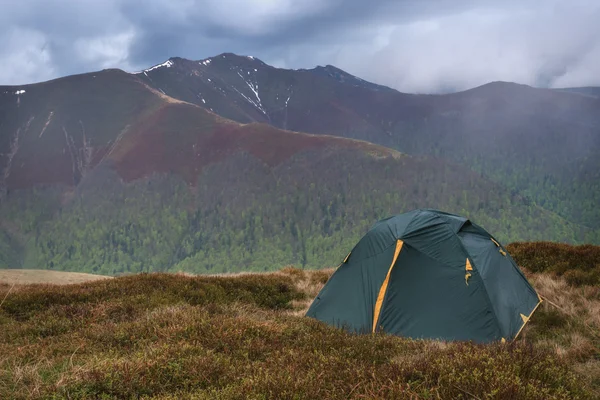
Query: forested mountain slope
[(102, 173), (540, 143)]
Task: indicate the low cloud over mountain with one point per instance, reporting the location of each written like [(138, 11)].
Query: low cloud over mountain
[(432, 46)]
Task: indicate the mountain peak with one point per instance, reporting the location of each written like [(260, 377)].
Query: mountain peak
[(236, 58), (247, 64), (344, 77), (167, 64), (332, 70), (502, 85)]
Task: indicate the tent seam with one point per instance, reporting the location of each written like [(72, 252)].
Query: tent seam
[(518, 270), (376, 254), (487, 296), (516, 267), (341, 264)]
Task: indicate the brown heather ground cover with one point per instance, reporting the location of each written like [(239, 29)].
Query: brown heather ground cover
[(160, 336)]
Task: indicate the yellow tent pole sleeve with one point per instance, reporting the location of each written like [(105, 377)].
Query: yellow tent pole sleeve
[(384, 286), (527, 318), (347, 257)]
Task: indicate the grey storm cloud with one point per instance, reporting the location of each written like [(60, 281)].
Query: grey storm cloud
[(414, 46)]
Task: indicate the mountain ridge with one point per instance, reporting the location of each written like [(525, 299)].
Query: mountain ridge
[(326, 67)]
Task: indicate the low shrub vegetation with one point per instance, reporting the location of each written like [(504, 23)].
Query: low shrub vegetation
[(579, 265), (160, 336)]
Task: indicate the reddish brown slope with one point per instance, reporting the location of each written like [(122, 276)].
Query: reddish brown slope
[(59, 131), (183, 138)]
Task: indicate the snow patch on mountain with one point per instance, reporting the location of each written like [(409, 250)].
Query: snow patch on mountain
[(166, 64), (47, 123), (254, 88), (19, 92)]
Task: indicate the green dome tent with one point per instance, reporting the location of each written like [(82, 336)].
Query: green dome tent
[(428, 274)]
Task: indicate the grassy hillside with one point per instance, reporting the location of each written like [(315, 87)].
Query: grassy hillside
[(172, 336)]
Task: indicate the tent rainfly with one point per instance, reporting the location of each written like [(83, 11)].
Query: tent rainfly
[(427, 274)]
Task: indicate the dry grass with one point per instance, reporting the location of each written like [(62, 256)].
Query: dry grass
[(309, 282), (581, 302), (244, 336), (33, 276), (568, 323)]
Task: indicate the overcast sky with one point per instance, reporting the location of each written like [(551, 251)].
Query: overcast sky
[(412, 45)]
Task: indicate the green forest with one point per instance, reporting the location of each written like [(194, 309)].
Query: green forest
[(242, 215), (534, 159)]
